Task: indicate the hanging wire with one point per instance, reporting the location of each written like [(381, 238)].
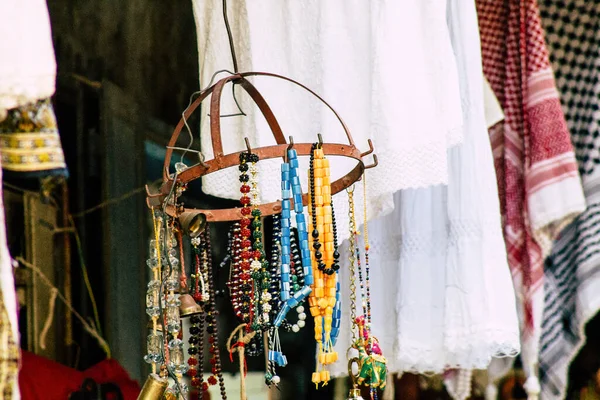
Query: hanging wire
[(230, 36), (192, 97)]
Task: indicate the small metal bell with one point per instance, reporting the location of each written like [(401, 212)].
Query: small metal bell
[(193, 222), (154, 388), (188, 306), (354, 394)]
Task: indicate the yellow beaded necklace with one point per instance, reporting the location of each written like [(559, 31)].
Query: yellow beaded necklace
[(324, 257)]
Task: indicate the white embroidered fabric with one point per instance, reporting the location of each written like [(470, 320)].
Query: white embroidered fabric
[(442, 294), (402, 94), (27, 66)]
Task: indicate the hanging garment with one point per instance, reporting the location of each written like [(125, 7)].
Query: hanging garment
[(9, 328), (29, 142), (27, 66), (493, 110), (442, 294), (540, 189), (572, 274), (403, 94), (9, 356)]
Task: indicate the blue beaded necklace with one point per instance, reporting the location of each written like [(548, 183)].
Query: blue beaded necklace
[(289, 298), (291, 189)]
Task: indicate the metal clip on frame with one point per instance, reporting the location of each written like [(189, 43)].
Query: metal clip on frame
[(221, 160)]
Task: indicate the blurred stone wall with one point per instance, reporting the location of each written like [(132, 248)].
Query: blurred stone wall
[(146, 47)]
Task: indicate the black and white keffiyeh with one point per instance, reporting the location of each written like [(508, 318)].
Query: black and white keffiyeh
[(572, 272)]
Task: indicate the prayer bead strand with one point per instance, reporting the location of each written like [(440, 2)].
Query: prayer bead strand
[(323, 240), (245, 290)]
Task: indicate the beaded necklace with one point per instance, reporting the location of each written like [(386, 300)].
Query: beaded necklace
[(234, 281), (258, 266), (295, 273), (241, 286), (274, 271), (155, 340), (203, 256), (291, 189), (296, 276), (324, 299), (372, 365), (298, 282)]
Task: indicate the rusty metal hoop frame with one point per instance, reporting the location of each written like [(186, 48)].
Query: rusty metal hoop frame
[(221, 160)]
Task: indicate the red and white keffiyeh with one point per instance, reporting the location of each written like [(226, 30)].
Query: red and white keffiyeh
[(539, 184)]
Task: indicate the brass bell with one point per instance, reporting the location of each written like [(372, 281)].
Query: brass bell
[(188, 306), (193, 222), (154, 388), (354, 394)]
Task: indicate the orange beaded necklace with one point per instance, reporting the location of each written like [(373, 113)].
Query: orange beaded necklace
[(324, 257)]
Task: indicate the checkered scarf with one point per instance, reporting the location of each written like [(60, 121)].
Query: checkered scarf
[(538, 180), (572, 275)]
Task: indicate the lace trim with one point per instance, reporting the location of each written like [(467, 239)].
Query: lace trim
[(461, 350), (413, 357), (16, 91)]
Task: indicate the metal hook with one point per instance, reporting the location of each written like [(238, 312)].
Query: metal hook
[(248, 145), (366, 153), (290, 147), (200, 155), (201, 160), (241, 112), (375, 162), (151, 198), (320, 138)]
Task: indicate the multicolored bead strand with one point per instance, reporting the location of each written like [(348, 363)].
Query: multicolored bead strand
[(245, 293), (234, 282), (258, 265), (367, 247), (373, 371)]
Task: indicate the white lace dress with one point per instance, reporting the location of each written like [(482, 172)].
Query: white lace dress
[(442, 294), (387, 67), (27, 65)]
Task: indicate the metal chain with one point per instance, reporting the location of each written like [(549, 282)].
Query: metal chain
[(352, 259)]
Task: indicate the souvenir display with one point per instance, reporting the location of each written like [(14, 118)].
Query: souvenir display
[(267, 293)]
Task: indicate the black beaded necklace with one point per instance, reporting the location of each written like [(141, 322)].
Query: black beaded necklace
[(203, 254), (335, 266)]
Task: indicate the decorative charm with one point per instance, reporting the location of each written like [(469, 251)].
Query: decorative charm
[(372, 365)]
